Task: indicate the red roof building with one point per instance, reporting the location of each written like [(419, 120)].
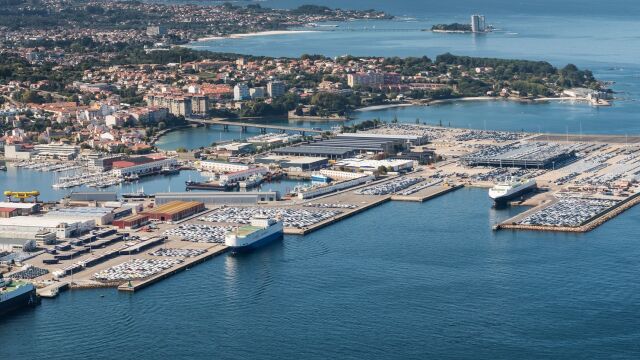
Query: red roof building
[(7, 212)]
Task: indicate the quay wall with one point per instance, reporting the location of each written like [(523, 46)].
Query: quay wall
[(586, 226), (141, 284)]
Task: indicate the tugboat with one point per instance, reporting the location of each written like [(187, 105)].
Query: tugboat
[(138, 194)]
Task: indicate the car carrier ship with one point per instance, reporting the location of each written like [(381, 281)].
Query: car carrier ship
[(511, 189), (15, 294), (261, 231)]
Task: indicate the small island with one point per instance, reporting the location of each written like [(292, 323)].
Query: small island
[(476, 25), (454, 27)]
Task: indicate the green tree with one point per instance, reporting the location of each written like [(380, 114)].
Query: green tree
[(31, 97)]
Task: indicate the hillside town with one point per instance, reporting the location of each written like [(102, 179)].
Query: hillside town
[(95, 22), (124, 107)]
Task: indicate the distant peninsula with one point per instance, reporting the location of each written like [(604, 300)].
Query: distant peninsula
[(454, 27)]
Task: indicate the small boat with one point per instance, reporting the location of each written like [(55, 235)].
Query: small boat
[(169, 170), (139, 194), (132, 177)]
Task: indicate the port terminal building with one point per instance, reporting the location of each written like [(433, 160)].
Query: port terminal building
[(132, 221), (10, 209), (92, 196), (315, 151), (141, 165), (175, 210), (219, 197), (297, 163), (41, 151), (367, 165), (348, 145), (219, 166), (38, 227), (100, 215), (527, 155)]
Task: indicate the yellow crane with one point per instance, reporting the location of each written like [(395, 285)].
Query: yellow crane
[(22, 195)]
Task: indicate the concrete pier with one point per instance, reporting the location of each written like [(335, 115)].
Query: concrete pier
[(588, 225), (344, 215), (136, 285), (52, 291), (427, 193)]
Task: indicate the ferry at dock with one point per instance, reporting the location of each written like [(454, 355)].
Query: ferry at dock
[(511, 189), (261, 231)]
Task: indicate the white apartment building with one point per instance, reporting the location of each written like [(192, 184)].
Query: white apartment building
[(241, 92)]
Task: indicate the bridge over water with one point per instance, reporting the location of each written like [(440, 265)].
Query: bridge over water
[(263, 127)]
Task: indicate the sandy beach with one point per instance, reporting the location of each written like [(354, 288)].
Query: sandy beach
[(474, 98), (382, 107), (260, 33)]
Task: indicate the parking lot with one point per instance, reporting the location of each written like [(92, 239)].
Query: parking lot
[(135, 269), (390, 187), (292, 217), (199, 233), (172, 252), (568, 211)]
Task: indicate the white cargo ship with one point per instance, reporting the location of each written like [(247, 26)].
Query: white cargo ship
[(261, 231), (511, 189)]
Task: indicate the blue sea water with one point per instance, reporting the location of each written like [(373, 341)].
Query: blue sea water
[(403, 280), (603, 37)]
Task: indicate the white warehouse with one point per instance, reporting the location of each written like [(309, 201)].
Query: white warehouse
[(31, 227)]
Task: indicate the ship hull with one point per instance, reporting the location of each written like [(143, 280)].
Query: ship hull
[(210, 186), (257, 244), (514, 195), (27, 299)]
